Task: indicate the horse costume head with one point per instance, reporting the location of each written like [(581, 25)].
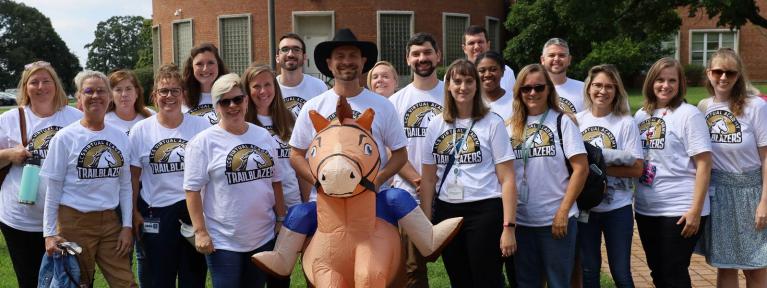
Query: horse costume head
[(343, 156)]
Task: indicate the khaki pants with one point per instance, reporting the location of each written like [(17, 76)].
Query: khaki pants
[(97, 233), (413, 274)]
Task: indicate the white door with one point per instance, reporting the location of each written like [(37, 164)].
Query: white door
[(314, 29)]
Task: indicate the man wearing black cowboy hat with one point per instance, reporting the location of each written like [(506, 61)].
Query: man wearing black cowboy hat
[(345, 59)]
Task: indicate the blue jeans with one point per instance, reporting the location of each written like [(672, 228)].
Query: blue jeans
[(538, 253), (618, 227), (162, 257), (229, 269)]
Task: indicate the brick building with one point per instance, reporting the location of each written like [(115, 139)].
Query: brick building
[(699, 37), (240, 28)]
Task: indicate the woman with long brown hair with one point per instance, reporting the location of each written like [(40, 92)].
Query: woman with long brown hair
[(127, 106), (201, 69)]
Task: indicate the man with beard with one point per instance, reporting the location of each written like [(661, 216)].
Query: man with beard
[(556, 58), (346, 59), (416, 104), (296, 87), (475, 42)]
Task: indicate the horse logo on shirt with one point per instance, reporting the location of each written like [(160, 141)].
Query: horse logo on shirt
[(355, 114), (167, 156), (724, 127), (445, 146), (283, 151), (600, 137), (207, 111), (566, 105), (248, 162), (540, 142), (38, 144), (294, 104), (418, 116), (652, 131), (99, 159)]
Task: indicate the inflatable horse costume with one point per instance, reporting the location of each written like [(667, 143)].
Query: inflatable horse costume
[(356, 241)]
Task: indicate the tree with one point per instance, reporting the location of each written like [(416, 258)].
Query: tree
[(26, 35), (626, 33), (145, 52), (731, 13), (117, 43)]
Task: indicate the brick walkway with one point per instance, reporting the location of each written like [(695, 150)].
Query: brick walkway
[(702, 275)]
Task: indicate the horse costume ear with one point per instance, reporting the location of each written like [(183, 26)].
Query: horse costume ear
[(318, 121), (366, 119)]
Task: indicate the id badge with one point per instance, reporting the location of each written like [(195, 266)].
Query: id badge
[(648, 174), (524, 192), (455, 191), (583, 217), (151, 225)]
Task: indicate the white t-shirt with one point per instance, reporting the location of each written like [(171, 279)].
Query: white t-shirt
[(235, 174), (204, 109), (547, 175), (508, 79), (93, 167), (159, 152), (486, 145), (290, 190), (673, 139), (617, 133), (39, 132), (111, 118), (387, 131), (295, 97), (571, 95), (502, 106), (735, 139), (415, 109)]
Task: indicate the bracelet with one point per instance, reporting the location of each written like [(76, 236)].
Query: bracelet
[(509, 225)]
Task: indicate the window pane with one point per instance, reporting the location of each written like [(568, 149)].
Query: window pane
[(697, 37), (394, 34), (182, 42), (235, 41), (493, 31), (454, 27), (156, 52)]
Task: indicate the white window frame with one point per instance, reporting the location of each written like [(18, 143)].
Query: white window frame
[(496, 42), (220, 18), (444, 32), (157, 58), (173, 38), (705, 54), (378, 34)]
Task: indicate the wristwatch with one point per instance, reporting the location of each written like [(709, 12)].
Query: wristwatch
[(280, 218), (509, 225)]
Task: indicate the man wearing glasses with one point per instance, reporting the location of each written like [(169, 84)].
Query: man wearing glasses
[(296, 87)]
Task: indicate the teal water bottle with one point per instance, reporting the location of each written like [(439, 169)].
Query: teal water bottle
[(30, 180)]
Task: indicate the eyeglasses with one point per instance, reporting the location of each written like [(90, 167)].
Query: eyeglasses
[(36, 64), (599, 86), (717, 73), (94, 92), (287, 49), (169, 91), (237, 100), (527, 89)]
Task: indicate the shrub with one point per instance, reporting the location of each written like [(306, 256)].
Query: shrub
[(145, 77), (694, 74)]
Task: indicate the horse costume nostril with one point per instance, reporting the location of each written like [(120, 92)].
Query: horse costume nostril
[(323, 177), (351, 175)]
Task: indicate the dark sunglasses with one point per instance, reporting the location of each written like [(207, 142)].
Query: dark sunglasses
[(237, 100), (717, 73), (527, 89)]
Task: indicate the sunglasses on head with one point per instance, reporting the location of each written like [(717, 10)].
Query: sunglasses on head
[(237, 100), (717, 73), (529, 88)]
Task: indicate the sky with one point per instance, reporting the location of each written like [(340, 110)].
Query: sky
[(76, 20)]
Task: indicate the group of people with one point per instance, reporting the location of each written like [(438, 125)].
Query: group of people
[(223, 157)]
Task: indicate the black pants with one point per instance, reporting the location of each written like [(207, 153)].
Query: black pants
[(473, 258), (26, 249), (668, 253)]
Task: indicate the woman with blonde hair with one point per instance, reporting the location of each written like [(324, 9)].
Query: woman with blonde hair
[(736, 238), (383, 79), (44, 112), (127, 106), (546, 230), (671, 203), (607, 123)]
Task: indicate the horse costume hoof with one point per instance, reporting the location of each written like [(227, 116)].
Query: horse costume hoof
[(429, 239), (443, 234), (280, 261)]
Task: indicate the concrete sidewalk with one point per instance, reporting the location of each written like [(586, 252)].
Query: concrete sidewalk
[(701, 274)]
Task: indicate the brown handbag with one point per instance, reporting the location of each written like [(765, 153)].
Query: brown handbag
[(23, 127)]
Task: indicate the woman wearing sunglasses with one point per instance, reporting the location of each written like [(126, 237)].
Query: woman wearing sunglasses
[(236, 165), (127, 106), (157, 154), (671, 203), (607, 123), (546, 230), (736, 238)]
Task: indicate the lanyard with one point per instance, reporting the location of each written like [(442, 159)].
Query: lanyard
[(457, 146), (526, 148)]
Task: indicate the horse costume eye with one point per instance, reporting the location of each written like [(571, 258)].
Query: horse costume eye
[(313, 151), (368, 149)]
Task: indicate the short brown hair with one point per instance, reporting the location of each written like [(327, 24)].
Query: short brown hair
[(478, 109)]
